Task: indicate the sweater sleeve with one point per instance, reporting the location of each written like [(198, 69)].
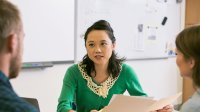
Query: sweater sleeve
[(68, 89), (133, 85)]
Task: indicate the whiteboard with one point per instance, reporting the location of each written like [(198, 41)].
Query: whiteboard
[(137, 25), (49, 29)]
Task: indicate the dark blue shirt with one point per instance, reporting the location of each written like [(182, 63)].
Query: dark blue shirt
[(9, 100)]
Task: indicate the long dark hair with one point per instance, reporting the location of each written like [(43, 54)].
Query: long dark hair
[(114, 65), (188, 43)]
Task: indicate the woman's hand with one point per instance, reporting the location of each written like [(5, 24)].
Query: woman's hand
[(168, 108), (102, 110), (71, 111)]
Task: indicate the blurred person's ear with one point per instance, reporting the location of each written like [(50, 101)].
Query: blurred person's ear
[(191, 62), (12, 43)]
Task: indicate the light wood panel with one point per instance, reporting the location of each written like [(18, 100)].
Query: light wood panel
[(192, 17)]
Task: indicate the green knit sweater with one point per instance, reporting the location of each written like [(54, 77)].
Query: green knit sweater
[(75, 89)]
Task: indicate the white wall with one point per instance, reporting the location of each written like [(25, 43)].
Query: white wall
[(159, 78)]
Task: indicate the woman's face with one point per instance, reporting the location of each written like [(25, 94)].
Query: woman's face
[(185, 66), (99, 47)]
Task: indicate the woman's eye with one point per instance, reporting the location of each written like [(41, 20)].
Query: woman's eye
[(91, 45), (103, 44)]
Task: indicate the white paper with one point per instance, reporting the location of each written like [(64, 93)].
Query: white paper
[(122, 103)]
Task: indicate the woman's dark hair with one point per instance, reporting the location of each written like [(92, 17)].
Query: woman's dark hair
[(188, 43), (114, 65)]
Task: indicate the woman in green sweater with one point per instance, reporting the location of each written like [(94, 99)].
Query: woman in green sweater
[(92, 82)]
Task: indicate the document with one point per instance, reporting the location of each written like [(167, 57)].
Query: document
[(123, 103)]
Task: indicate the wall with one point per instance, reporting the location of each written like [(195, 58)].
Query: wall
[(159, 78)]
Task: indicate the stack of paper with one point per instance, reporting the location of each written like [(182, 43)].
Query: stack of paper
[(122, 103)]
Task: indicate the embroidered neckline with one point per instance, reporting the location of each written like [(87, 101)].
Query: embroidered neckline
[(104, 87)]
